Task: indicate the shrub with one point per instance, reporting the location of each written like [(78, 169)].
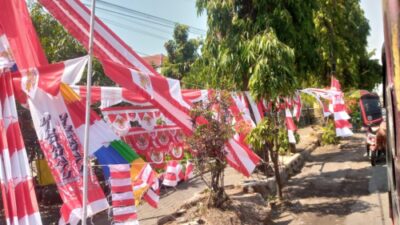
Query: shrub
[(329, 133)]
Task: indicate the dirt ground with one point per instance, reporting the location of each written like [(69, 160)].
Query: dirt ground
[(242, 209), (337, 186)]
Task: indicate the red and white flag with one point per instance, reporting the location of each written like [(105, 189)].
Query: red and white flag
[(342, 124), (241, 158), (297, 106), (57, 114), (291, 126), (256, 107), (173, 173), (18, 193), (189, 172), (109, 96), (335, 84), (341, 117), (155, 89), (147, 180), (152, 196), (241, 107), (123, 202), (109, 48)]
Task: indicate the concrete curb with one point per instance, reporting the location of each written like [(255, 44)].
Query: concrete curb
[(290, 168)]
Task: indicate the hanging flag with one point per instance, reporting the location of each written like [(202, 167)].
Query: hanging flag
[(17, 26), (109, 96), (189, 172), (18, 193), (291, 126), (152, 196), (257, 108), (123, 202), (318, 94), (342, 124), (109, 48), (155, 89), (335, 84), (297, 106), (173, 173), (6, 59), (149, 178), (243, 123), (24, 44), (57, 127), (75, 17)]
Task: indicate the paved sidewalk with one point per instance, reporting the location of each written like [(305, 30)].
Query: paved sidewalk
[(175, 198)]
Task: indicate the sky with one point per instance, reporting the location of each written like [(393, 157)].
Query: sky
[(373, 12), (147, 35)]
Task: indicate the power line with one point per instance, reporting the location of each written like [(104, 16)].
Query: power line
[(121, 14), (147, 17), (139, 21), (135, 29)]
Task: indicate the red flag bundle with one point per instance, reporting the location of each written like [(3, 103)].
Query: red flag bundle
[(297, 106), (18, 193), (173, 174), (291, 126), (189, 172), (123, 202), (339, 111)]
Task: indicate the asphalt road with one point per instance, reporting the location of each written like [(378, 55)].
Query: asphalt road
[(337, 186)]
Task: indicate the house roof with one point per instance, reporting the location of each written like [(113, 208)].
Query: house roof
[(155, 60)]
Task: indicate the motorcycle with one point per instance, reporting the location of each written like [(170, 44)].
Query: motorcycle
[(373, 150), (371, 112)]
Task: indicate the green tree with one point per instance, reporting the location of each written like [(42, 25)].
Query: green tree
[(243, 51), (243, 36), (342, 31), (370, 73), (182, 52)]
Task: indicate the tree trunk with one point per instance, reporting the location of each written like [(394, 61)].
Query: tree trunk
[(217, 196), (266, 160), (274, 157)]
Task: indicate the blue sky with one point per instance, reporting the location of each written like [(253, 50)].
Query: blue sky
[(149, 37)]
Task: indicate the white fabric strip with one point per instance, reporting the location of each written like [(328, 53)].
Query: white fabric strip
[(122, 196), (124, 210), (73, 70), (120, 182)]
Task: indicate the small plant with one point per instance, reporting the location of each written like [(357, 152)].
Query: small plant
[(212, 129), (329, 133), (284, 141), (268, 137)]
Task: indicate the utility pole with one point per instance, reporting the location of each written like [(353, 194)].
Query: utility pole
[(87, 117)]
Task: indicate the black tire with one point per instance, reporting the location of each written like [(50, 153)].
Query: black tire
[(368, 151), (374, 155)]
